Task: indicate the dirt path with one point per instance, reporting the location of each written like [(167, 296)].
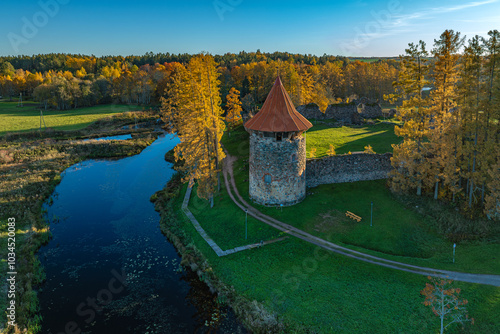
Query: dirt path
[(243, 205)]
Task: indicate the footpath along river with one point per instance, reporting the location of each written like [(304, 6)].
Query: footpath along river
[(109, 268)]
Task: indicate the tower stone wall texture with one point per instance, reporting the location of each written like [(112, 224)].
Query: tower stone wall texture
[(277, 170)]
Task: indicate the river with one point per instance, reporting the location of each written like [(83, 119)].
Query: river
[(109, 268)]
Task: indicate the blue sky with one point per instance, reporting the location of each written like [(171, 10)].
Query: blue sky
[(349, 28)]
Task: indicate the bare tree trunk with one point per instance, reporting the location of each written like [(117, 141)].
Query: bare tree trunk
[(436, 188), (482, 193), (214, 122)]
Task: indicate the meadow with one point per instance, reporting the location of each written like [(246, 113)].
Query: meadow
[(350, 139), (27, 118)]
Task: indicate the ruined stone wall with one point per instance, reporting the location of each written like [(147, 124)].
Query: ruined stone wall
[(369, 110), (285, 163), (345, 112), (348, 168), (311, 111)]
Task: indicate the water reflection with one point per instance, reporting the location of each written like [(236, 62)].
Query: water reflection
[(109, 269)]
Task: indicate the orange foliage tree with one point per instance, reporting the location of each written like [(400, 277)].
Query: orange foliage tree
[(445, 302)]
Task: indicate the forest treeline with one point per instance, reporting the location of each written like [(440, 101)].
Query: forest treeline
[(64, 81), (451, 146)]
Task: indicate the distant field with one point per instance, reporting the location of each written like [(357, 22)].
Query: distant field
[(372, 59), (345, 139), (27, 118), (366, 60)]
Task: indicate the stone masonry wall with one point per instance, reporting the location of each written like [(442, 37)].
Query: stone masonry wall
[(348, 168), (285, 162)]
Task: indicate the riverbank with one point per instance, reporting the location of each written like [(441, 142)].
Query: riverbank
[(179, 231), (31, 164)]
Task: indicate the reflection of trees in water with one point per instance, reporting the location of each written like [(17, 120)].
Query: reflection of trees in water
[(209, 314)]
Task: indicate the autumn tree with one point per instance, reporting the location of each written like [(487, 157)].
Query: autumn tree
[(409, 159), (331, 150), (233, 116), (445, 302), (43, 94), (312, 153), (193, 110), (444, 101), (472, 127), (492, 206), (369, 150)]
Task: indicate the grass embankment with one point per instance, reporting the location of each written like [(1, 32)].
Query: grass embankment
[(308, 288), (27, 118), (350, 139), (29, 171)]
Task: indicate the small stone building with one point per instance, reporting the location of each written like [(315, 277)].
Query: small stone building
[(277, 151)]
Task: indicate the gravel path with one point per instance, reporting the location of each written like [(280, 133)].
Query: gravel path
[(243, 205)]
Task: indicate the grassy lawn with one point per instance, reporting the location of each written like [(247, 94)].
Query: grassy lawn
[(398, 233), (15, 119), (309, 288), (380, 137), (220, 218)]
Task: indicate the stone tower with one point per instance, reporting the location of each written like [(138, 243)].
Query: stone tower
[(277, 151)]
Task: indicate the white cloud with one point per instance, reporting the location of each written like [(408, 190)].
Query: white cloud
[(406, 20)]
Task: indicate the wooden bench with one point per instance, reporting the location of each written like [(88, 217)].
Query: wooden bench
[(353, 216)]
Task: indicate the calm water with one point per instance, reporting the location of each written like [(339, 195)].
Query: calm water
[(109, 269), (120, 137)]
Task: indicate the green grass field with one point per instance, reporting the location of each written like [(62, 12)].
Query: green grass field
[(220, 218), (380, 136), (27, 118), (308, 287), (398, 233), (328, 293)]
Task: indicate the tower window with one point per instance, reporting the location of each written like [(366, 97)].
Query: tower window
[(268, 134), (267, 178), (279, 136)]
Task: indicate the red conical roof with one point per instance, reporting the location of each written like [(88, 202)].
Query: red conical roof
[(278, 113)]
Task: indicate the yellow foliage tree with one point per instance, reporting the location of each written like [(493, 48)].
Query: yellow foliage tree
[(312, 153), (369, 150), (492, 207), (233, 116), (81, 73), (331, 150), (410, 166), (193, 110)]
